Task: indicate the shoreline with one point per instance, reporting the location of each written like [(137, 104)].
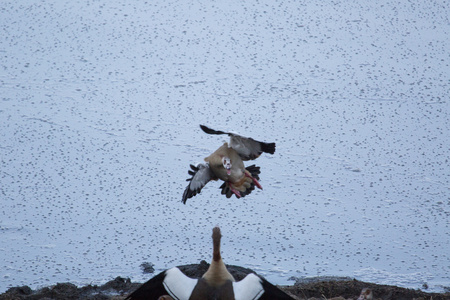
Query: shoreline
[(339, 288), (119, 288)]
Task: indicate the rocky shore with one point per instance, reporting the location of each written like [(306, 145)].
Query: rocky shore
[(320, 288)]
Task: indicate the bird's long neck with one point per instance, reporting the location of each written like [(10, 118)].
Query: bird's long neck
[(217, 273), (216, 237)]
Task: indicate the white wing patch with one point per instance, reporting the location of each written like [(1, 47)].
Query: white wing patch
[(249, 288), (178, 285)]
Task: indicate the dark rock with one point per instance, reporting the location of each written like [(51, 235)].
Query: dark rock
[(118, 284), (20, 290), (317, 288), (350, 288)]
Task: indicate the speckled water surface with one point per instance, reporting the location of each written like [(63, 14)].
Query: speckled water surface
[(100, 106)]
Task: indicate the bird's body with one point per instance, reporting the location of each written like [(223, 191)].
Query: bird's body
[(216, 164), (227, 164)]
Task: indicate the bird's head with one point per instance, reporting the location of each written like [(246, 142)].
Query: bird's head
[(226, 161)]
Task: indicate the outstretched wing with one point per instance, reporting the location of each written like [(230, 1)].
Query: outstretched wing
[(212, 131), (152, 289), (201, 175), (248, 288), (170, 282), (257, 288), (247, 148)]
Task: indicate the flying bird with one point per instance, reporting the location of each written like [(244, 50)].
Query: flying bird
[(216, 284), (227, 164)]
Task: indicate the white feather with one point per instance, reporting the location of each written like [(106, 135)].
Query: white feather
[(178, 285), (249, 288)]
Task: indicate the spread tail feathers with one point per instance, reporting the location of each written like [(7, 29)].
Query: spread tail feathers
[(254, 171)]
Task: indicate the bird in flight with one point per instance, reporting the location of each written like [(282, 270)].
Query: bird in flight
[(227, 164)]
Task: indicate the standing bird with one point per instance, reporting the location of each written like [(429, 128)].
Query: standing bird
[(227, 164), (216, 284)]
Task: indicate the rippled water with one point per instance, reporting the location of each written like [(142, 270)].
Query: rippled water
[(100, 106)]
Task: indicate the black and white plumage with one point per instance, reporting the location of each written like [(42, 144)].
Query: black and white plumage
[(227, 164), (216, 284)]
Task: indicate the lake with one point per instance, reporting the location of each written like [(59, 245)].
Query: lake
[(101, 103)]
